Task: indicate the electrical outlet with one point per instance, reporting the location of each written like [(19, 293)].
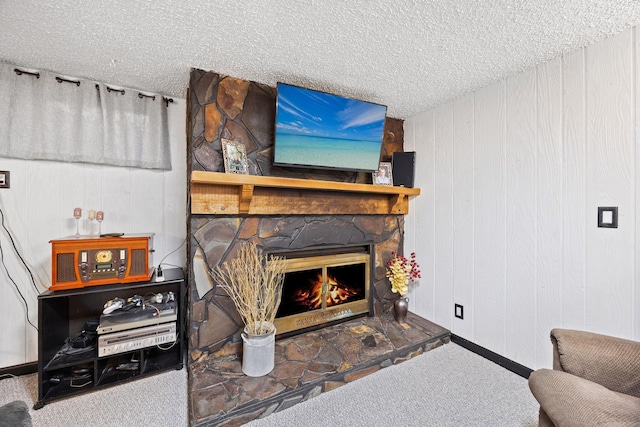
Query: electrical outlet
[(4, 179), (459, 311)]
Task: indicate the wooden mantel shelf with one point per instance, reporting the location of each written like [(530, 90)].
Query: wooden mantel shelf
[(216, 193)]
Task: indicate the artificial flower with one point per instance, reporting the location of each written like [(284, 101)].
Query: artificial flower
[(401, 271)]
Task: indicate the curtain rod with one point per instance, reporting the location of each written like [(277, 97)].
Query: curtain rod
[(153, 98), (59, 79), (21, 72)]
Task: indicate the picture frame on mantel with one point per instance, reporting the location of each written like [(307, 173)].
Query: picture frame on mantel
[(384, 174), (235, 157)]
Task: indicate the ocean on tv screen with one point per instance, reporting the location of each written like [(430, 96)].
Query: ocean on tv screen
[(318, 129), (327, 152)]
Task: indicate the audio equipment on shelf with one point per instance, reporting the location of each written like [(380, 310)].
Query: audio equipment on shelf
[(159, 308), (135, 339), (79, 261), (403, 165)]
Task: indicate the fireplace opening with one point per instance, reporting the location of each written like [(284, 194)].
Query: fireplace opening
[(324, 287)]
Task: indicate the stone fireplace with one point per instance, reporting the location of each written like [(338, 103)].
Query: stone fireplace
[(370, 240), (336, 230)]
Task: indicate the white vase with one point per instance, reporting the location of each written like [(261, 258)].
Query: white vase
[(258, 352)]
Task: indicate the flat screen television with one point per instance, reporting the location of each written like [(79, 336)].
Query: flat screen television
[(319, 130)]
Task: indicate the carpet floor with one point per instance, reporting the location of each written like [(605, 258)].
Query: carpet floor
[(447, 386)]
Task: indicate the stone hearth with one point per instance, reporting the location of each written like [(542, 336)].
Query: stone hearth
[(306, 365)]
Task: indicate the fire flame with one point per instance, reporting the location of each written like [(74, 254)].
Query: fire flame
[(337, 293)]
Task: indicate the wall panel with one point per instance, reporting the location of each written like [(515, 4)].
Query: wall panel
[(549, 213), (174, 203), (574, 203), (117, 204), (443, 281), (549, 146), (463, 221), (489, 217), (610, 156), (423, 216), (521, 197), (410, 222), (636, 138), (14, 282), (141, 199)]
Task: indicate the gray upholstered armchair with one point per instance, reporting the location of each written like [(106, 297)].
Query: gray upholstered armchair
[(595, 381)]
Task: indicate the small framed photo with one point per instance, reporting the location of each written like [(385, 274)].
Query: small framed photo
[(235, 157), (383, 175)]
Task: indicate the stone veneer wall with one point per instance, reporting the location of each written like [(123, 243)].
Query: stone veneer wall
[(225, 107)]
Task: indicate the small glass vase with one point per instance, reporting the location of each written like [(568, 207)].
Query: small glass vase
[(400, 309)]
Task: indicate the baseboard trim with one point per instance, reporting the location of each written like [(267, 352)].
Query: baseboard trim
[(509, 364), (18, 370)]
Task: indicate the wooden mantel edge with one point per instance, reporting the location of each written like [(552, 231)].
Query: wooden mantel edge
[(239, 180)]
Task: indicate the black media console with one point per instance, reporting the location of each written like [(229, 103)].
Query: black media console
[(80, 349)]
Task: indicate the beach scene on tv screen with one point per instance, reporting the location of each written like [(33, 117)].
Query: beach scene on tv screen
[(328, 131)]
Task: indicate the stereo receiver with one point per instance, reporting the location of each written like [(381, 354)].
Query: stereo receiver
[(79, 261), (135, 339)]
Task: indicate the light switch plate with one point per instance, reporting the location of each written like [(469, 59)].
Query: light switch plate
[(4, 179), (608, 217)]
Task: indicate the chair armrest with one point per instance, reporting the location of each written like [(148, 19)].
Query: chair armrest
[(609, 361), (570, 401)]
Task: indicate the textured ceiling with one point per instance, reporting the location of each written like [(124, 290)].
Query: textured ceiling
[(407, 54)]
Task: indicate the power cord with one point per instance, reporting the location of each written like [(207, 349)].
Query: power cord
[(17, 252), (159, 271), (172, 252), (4, 376), (15, 285)]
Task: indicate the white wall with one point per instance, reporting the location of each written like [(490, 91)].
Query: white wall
[(512, 176), (39, 207)]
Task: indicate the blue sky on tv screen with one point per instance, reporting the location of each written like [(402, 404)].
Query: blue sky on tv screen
[(311, 113)]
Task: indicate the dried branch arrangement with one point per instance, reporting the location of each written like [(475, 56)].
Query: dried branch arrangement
[(254, 282)]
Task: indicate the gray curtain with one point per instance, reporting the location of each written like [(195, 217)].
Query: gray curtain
[(80, 121)]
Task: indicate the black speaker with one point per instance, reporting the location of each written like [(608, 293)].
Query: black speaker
[(403, 165)]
